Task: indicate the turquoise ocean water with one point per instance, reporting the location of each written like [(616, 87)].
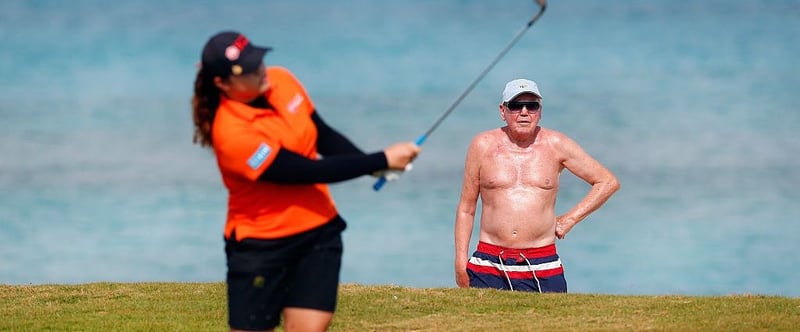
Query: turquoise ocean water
[(693, 105)]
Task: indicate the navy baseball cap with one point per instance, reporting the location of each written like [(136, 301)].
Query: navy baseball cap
[(231, 53)]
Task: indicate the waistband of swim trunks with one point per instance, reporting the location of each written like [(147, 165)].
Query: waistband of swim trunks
[(548, 250)]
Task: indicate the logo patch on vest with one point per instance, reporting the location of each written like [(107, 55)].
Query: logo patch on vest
[(257, 159)]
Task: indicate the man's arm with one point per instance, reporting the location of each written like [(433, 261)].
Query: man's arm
[(465, 213), (603, 182)]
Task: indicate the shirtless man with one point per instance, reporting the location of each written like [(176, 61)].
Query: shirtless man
[(515, 171)]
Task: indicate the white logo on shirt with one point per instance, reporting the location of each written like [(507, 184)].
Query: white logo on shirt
[(296, 101), (258, 158)]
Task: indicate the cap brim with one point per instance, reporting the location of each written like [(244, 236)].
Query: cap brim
[(252, 60)]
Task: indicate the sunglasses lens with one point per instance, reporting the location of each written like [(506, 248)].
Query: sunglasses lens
[(530, 105)]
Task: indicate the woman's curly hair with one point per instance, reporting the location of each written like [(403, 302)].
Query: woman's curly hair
[(204, 107)]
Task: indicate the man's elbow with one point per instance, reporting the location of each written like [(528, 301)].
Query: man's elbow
[(612, 184), (462, 216)]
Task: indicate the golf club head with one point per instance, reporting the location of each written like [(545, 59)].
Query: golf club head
[(542, 3)]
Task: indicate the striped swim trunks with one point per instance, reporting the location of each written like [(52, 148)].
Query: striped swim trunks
[(531, 270)]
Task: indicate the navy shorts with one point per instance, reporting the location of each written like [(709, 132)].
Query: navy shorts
[(532, 270), (266, 276)]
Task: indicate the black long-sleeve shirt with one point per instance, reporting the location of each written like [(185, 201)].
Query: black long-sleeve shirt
[(342, 160)]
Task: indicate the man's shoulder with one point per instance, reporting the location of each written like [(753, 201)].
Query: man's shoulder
[(487, 136), (549, 132), (554, 136), (484, 140)]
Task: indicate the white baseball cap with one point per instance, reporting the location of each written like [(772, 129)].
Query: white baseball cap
[(518, 87)]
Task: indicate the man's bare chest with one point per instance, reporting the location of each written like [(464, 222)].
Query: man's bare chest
[(532, 168)]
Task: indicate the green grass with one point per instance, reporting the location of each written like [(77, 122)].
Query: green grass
[(202, 307)]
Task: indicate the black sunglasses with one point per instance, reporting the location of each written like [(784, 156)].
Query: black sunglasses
[(516, 106)]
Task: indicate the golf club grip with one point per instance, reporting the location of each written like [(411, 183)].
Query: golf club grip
[(382, 180), (379, 184)]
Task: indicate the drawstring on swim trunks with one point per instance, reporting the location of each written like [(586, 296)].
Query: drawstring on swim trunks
[(533, 272), (503, 268), (530, 268)]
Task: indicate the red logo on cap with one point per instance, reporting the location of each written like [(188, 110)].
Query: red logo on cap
[(232, 52), (241, 42)]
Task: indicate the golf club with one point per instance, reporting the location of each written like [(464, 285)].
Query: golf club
[(543, 5)]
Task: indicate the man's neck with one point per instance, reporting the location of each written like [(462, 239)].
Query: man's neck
[(522, 139)]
